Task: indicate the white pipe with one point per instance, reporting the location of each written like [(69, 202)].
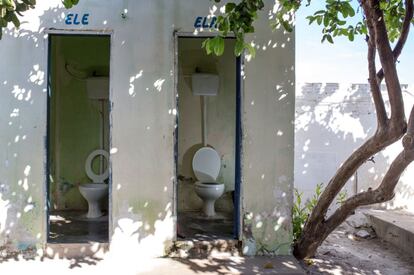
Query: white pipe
[(102, 139), (204, 120)]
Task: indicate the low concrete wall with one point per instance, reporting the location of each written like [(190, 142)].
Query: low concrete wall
[(395, 227), (331, 121)]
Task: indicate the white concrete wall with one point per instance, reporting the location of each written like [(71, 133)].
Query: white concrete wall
[(332, 120), (143, 117), (268, 141)]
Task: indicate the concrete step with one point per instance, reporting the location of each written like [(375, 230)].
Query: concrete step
[(395, 227), (75, 250), (204, 248)]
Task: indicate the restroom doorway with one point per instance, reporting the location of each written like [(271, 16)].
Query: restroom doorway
[(212, 121), (78, 138)]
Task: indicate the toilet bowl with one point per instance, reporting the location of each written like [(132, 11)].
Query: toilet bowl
[(94, 192), (206, 167)]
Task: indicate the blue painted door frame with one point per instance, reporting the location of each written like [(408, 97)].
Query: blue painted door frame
[(239, 135)]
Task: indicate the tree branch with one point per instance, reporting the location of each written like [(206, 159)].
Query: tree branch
[(388, 65), (403, 36), (374, 84)]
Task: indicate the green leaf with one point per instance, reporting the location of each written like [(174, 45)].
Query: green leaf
[(287, 26), (329, 38), (15, 20), (344, 13), (341, 22), (30, 2), (351, 10), (207, 45), (3, 23), (230, 7), (319, 20), (218, 45), (67, 3), (311, 19), (351, 36), (251, 49), (21, 7), (326, 21), (239, 47)]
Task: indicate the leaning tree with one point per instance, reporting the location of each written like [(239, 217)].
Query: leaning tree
[(385, 25)]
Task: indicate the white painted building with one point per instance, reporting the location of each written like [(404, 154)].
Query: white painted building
[(47, 118)]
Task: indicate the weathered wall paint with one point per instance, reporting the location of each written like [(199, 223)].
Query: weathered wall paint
[(221, 119), (332, 120), (143, 122), (268, 147), (76, 126)]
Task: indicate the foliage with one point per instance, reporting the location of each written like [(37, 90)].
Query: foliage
[(342, 196), (338, 18), (70, 3), (238, 19), (11, 10), (333, 19), (301, 213)]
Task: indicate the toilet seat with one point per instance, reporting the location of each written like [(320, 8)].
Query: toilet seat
[(97, 178), (206, 164)]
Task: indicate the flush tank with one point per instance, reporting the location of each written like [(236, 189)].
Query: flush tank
[(205, 84), (98, 87)]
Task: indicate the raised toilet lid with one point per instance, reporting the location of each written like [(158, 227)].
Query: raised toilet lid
[(206, 164), (88, 166)]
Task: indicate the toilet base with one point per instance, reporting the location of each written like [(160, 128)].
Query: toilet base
[(208, 208), (93, 193), (94, 210)]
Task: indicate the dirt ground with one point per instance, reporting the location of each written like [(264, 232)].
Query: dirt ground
[(344, 253)]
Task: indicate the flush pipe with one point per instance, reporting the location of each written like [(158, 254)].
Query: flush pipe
[(204, 99), (102, 139)]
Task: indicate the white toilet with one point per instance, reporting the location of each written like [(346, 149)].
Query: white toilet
[(206, 167), (94, 192)]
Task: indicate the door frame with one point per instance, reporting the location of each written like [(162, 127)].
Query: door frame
[(49, 33), (238, 191)]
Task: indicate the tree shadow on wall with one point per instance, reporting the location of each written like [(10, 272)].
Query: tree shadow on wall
[(333, 120)]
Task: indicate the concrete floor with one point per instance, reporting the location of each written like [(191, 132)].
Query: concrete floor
[(73, 227), (132, 265), (192, 225)]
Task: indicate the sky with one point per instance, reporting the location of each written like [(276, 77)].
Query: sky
[(344, 61)]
